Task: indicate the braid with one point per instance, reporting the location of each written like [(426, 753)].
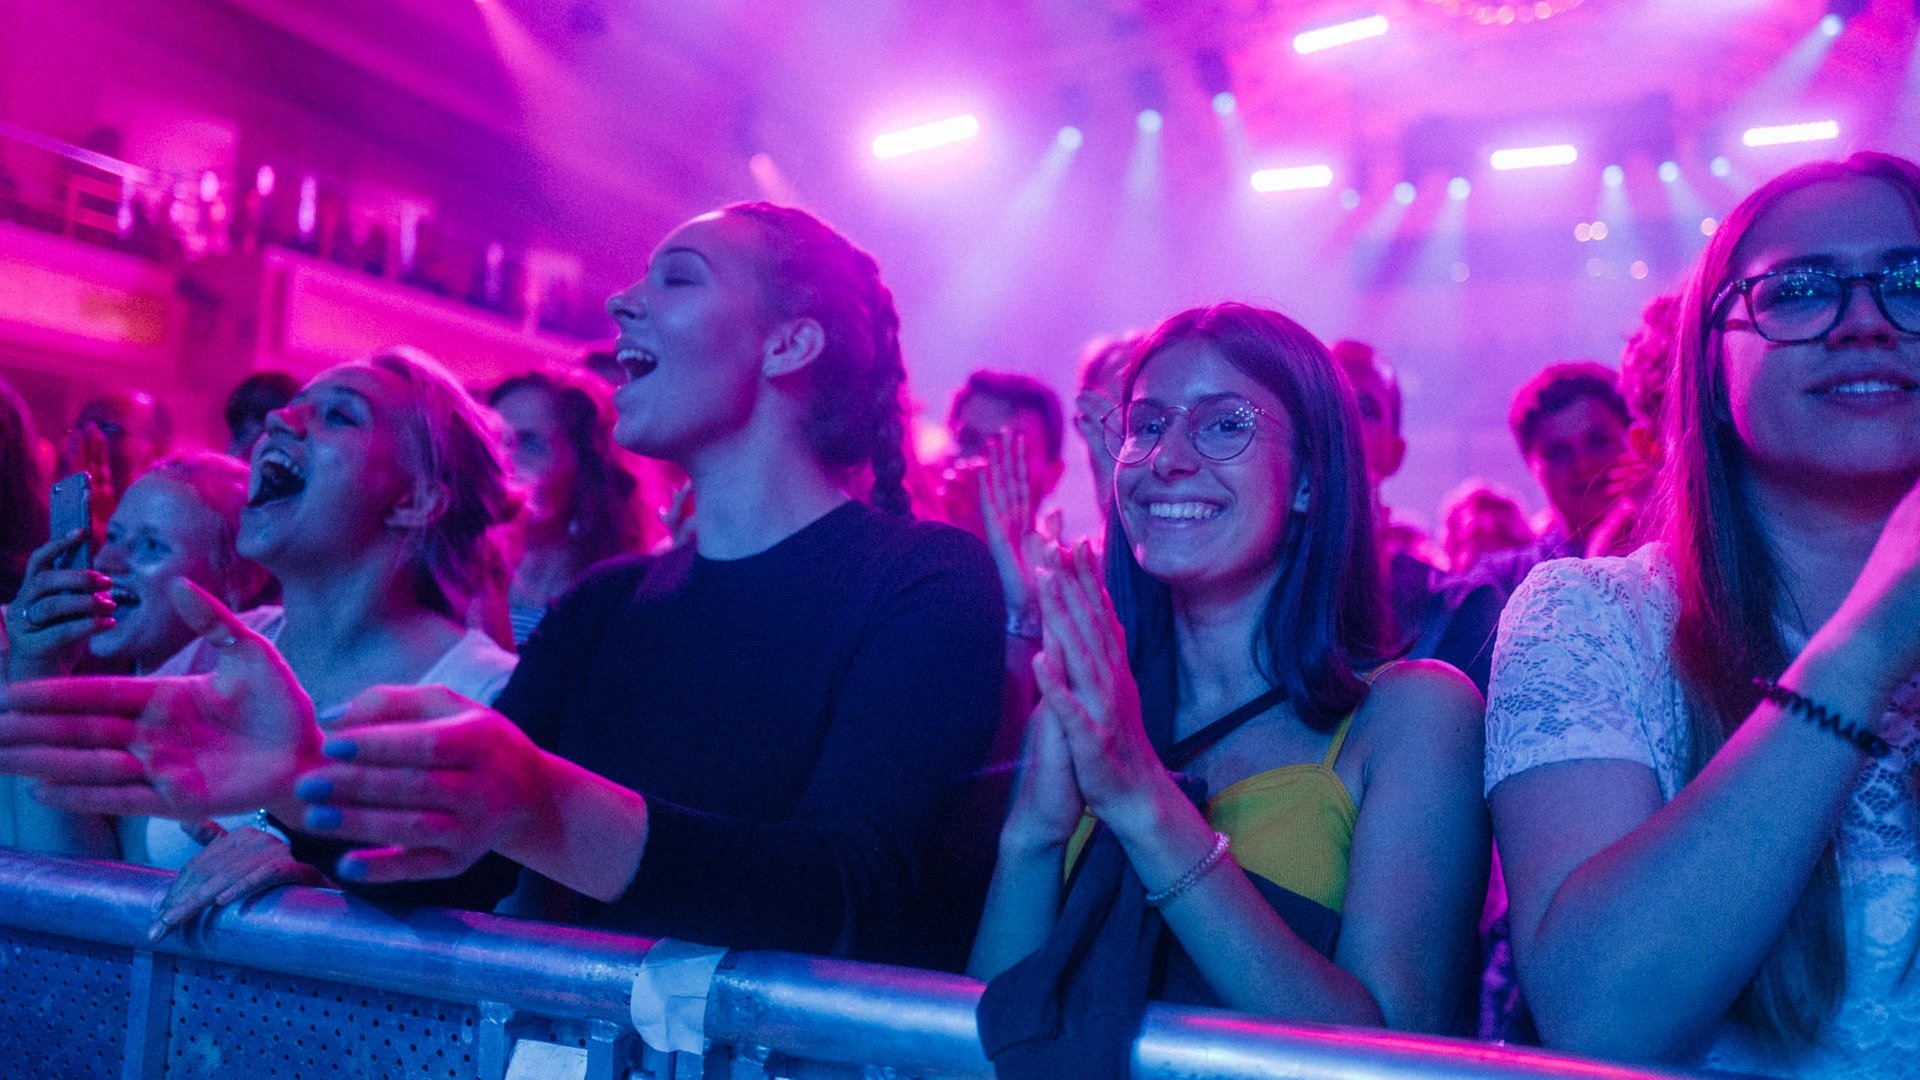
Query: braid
[(854, 416), (889, 431)]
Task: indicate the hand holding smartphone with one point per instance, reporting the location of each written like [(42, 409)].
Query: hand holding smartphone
[(71, 507)]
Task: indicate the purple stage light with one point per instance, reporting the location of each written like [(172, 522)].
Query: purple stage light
[(1346, 33), (1533, 157), (912, 140), (1813, 131), (1293, 179)]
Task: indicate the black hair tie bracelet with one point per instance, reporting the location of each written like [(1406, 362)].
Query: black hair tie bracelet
[(1869, 743)]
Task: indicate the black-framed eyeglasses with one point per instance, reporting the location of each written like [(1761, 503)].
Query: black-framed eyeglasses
[(1795, 306), (1220, 428)]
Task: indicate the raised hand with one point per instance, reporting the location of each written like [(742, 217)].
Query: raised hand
[(54, 612), (234, 865), (185, 747), (1007, 511), (432, 780), (1882, 610), (1087, 680)]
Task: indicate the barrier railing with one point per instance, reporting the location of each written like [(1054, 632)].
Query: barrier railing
[(305, 982)]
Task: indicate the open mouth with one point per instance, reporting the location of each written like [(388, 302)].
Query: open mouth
[(123, 597), (635, 362), (275, 477)]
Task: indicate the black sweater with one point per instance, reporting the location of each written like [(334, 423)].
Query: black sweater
[(798, 721)]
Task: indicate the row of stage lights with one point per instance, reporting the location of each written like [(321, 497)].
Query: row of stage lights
[(1305, 177)]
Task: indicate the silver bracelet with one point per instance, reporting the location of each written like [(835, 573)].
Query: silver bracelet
[(1192, 877), (1023, 624)]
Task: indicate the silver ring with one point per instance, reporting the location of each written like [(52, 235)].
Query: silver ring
[(230, 640)]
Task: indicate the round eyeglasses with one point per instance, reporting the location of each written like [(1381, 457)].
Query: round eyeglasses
[(1792, 307), (1220, 428)]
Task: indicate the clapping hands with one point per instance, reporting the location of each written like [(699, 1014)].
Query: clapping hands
[(186, 747)]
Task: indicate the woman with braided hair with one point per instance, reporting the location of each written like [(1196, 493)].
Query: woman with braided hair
[(746, 741)]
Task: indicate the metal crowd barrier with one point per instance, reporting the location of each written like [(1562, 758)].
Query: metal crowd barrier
[(310, 983)]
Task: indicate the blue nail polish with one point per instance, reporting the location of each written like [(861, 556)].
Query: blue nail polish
[(350, 870), (314, 789), (322, 817), (340, 749)]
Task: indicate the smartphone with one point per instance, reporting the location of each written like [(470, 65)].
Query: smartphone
[(70, 508)]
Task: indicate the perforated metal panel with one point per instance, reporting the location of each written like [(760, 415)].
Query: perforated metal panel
[(232, 1022), (63, 1006)]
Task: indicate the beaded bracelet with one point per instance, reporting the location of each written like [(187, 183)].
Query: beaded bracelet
[(1869, 743), (1193, 876)]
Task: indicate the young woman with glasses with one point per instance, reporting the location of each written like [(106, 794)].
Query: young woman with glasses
[(1700, 757), (1333, 864), (746, 741)]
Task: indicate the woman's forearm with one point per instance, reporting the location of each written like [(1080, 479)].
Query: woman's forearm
[(1644, 946), (1023, 903), (587, 833), (1249, 956)]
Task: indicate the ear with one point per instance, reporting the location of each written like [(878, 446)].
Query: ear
[(1302, 498), (420, 507), (791, 346)]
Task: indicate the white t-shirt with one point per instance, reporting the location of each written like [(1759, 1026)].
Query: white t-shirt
[(1583, 670), (474, 667)]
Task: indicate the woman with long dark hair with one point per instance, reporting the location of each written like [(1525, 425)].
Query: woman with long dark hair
[(1241, 648), (746, 740), (1700, 757), (581, 502)]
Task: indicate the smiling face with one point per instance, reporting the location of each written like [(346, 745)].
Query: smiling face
[(330, 473), (1844, 409), (545, 465), (1569, 455), (693, 334), (160, 531), (1202, 526)]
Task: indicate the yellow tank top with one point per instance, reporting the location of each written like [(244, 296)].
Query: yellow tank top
[(1292, 825)]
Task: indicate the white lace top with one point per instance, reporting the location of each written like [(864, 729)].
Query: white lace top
[(1583, 670)]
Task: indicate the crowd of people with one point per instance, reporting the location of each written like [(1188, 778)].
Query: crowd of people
[(704, 650)]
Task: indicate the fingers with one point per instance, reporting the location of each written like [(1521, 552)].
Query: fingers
[(40, 565), (95, 695), (388, 864), (210, 618), (401, 704), (23, 729), (203, 832), (334, 786), (137, 798), (1022, 485), (59, 607), (413, 828), (237, 865)]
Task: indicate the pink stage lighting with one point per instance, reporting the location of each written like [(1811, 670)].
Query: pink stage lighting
[(1816, 131), (1346, 33), (1534, 157), (926, 136), (1293, 179)]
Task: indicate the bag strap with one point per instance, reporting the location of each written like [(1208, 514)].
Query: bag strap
[(1182, 753)]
